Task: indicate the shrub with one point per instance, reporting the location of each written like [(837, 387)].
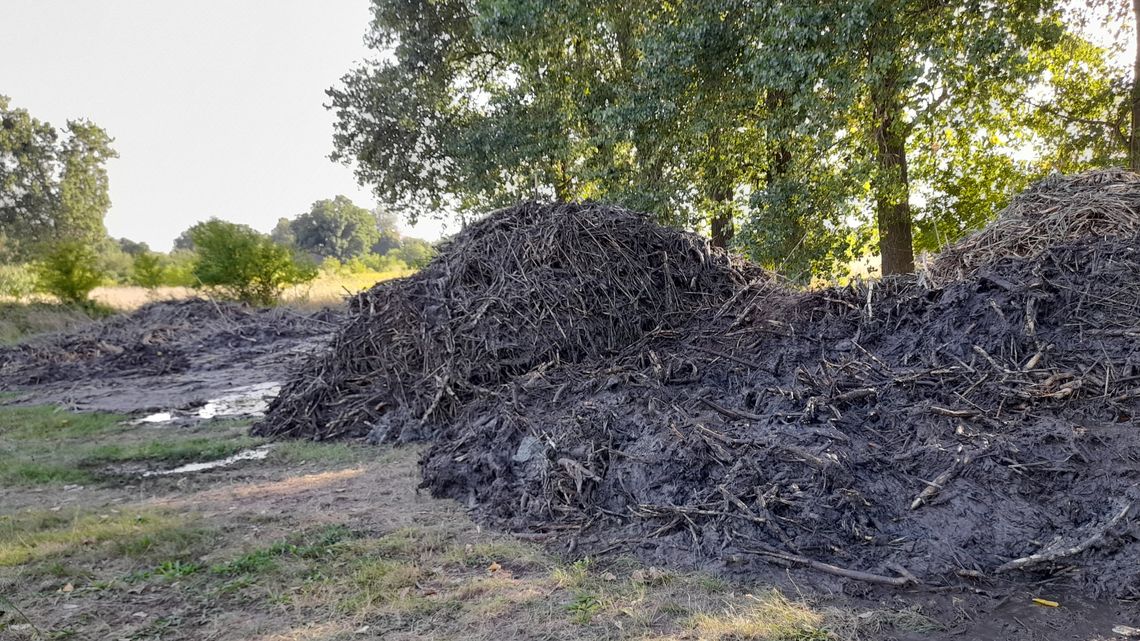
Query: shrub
[(17, 281), (178, 268), (415, 253), (69, 270), (384, 263), (114, 263), (245, 265), (147, 271)]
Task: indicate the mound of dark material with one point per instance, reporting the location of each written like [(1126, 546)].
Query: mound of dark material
[(158, 339), (1100, 203), (525, 288), (981, 431)]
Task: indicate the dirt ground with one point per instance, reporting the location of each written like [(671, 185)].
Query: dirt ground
[(323, 541)]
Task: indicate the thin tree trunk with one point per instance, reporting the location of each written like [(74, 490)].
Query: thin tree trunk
[(892, 191), (1134, 133), (722, 226), (779, 165), (720, 190), (561, 182)]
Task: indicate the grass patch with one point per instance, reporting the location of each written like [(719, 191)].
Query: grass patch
[(172, 452), (769, 616), (46, 445), (295, 452), (316, 544), (38, 536), (19, 321), (42, 423)]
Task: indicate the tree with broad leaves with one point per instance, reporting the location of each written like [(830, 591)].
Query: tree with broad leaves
[(53, 183)]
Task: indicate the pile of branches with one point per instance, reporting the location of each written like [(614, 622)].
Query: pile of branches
[(524, 289), (160, 338), (884, 432), (1101, 203)]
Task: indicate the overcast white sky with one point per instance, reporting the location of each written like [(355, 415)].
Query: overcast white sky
[(215, 105)]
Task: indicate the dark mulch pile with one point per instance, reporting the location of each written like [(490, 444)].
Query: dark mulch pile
[(891, 433), (591, 377), (159, 338), (525, 288)]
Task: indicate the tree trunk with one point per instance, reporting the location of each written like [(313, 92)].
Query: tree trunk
[(1134, 132), (892, 188), (562, 190), (722, 226)]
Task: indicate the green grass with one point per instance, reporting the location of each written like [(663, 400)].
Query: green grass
[(315, 544), (37, 536), (297, 452), (45, 445)]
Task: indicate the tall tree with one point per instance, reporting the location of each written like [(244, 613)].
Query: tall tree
[(884, 69), (335, 229), (53, 184)]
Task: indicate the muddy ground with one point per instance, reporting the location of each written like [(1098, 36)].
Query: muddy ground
[(168, 355)]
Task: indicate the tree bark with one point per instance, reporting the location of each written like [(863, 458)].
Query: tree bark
[(892, 188), (723, 228), (1134, 132)]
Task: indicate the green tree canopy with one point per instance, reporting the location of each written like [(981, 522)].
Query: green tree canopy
[(53, 183), (804, 133), (335, 229)]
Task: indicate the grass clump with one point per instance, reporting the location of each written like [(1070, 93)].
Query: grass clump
[(45, 445), (38, 536), (769, 616)]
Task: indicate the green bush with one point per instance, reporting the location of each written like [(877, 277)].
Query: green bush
[(415, 252), (178, 268), (114, 263), (69, 270), (147, 271), (17, 281), (245, 265), (384, 262)]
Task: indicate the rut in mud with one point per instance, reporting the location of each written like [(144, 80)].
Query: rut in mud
[(660, 399)]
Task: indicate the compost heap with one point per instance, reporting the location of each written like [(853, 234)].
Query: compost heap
[(160, 338), (889, 432), (524, 288)]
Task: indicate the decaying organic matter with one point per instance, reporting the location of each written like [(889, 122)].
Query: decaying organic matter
[(159, 338), (166, 355), (525, 288), (1101, 203), (592, 378), (886, 432)]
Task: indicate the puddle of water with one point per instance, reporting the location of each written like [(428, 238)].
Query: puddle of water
[(250, 400), (255, 454), (160, 417)]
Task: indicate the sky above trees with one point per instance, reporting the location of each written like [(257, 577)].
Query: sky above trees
[(215, 106)]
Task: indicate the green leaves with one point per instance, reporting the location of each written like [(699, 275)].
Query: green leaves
[(245, 265), (53, 183), (69, 270), (770, 117), (335, 229)]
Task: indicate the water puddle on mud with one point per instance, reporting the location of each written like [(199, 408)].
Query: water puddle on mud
[(247, 401), (255, 454)]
